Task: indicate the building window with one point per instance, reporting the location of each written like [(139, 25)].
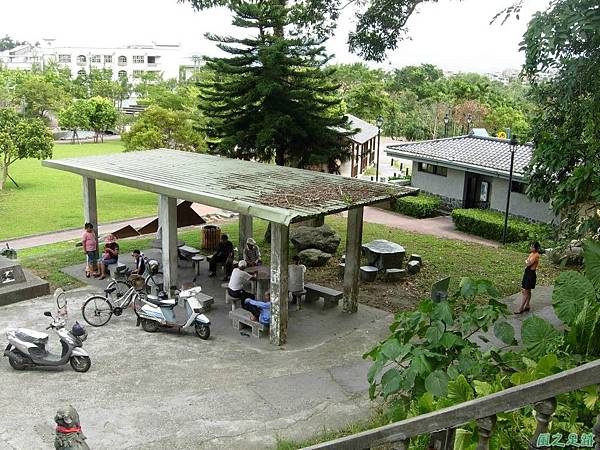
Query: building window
[(151, 59), (138, 73), (518, 187), (81, 59), (96, 58), (122, 74), (107, 59), (66, 59), (138, 59), (433, 169), (122, 60)]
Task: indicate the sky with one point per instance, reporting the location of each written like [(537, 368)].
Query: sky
[(454, 35)]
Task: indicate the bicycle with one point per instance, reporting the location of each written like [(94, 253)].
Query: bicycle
[(98, 309)]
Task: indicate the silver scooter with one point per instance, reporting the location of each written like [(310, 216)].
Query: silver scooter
[(183, 311), (27, 348)]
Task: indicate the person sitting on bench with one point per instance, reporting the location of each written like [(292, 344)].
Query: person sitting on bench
[(140, 265), (262, 310), (252, 253), (296, 273), (109, 256), (239, 277), (223, 255)]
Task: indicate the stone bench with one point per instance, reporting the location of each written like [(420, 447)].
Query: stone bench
[(368, 273), (240, 317), (395, 274), (206, 301), (331, 297), (235, 302)]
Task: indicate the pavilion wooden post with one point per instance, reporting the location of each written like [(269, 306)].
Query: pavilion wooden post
[(353, 251), (245, 232), (168, 224), (279, 283), (90, 206)]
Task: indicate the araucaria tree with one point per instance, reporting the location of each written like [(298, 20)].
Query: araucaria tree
[(562, 47), (272, 98), (21, 138)]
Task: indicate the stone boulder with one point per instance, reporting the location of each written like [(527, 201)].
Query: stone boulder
[(313, 257), (321, 238), (413, 267)]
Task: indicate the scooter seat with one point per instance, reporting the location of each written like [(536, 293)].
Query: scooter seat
[(34, 337), (162, 303)]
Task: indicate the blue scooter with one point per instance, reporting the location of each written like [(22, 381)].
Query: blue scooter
[(183, 311)]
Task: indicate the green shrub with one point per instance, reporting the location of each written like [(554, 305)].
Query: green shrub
[(419, 206), (490, 224)]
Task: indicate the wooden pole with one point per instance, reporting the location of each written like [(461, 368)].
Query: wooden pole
[(279, 283), (245, 224), (352, 268), (168, 224), (90, 206)]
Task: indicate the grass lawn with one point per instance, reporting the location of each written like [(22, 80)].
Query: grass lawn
[(51, 200), (442, 257)]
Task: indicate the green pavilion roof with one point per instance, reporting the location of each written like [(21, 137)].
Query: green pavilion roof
[(278, 194)]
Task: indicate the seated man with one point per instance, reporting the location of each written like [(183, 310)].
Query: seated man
[(251, 253), (140, 266), (296, 273), (223, 255), (262, 310), (238, 279)]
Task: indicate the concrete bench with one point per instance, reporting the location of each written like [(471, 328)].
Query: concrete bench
[(331, 297), (235, 302), (240, 317), (368, 273), (206, 301)]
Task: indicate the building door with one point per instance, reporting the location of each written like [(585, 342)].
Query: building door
[(477, 191)]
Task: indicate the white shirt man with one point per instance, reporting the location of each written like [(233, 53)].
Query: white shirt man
[(237, 281)]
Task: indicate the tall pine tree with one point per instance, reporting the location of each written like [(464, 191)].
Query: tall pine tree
[(272, 99)]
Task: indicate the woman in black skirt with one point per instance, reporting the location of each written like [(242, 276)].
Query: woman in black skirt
[(529, 277)]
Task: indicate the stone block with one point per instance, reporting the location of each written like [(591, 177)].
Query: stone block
[(413, 267), (321, 238), (395, 274), (368, 273), (313, 257), (415, 257)]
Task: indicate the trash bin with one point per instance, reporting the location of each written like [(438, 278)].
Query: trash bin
[(211, 235)]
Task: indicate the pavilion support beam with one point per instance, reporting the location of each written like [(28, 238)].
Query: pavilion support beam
[(353, 251), (245, 223), (279, 283), (168, 224), (90, 205)]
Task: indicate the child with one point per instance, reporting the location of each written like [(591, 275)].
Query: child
[(140, 266), (90, 247), (110, 255)]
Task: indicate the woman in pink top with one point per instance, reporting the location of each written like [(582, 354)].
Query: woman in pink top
[(90, 248)]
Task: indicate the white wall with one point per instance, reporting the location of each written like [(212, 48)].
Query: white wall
[(520, 205), (450, 186)]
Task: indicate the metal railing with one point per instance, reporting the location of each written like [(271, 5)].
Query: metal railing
[(540, 393)]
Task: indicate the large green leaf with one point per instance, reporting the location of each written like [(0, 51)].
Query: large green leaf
[(591, 256), (570, 292), (374, 371), (390, 382), (437, 383), (539, 336), (460, 390), (443, 312), (505, 332), (435, 332), (584, 335), (392, 348)]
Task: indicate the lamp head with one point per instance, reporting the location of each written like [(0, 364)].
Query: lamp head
[(470, 118), (446, 119), (513, 141), (379, 121)]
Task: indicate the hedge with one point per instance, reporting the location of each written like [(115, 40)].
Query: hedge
[(490, 224), (419, 206)]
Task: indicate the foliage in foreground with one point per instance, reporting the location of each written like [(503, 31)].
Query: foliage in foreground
[(420, 206), (490, 224)]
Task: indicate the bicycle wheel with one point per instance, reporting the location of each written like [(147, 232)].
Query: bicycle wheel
[(121, 288), (61, 298), (97, 311)]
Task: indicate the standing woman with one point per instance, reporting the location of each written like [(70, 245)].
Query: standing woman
[(529, 277)]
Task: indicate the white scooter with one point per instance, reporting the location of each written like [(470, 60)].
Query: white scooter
[(27, 348), (183, 311)]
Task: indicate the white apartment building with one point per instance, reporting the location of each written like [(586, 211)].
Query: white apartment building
[(130, 60)]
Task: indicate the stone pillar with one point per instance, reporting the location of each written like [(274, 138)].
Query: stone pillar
[(279, 283), (168, 224), (245, 223), (353, 251), (90, 206), (485, 428), (543, 414)]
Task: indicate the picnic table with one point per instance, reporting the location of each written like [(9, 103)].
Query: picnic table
[(262, 281), (384, 254)]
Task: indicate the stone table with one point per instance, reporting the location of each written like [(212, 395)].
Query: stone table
[(262, 282), (384, 254)]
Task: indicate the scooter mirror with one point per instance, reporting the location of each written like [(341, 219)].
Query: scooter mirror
[(47, 313)]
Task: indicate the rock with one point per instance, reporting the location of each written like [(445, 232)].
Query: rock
[(395, 274), (341, 269), (368, 273), (313, 257), (415, 257), (413, 267), (321, 238)]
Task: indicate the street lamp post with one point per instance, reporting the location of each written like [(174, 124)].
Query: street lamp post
[(469, 121), (379, 123), (446, 122), (513, 148)]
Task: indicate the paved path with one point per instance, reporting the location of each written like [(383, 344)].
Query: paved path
[(67, 235), (437, 226)]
